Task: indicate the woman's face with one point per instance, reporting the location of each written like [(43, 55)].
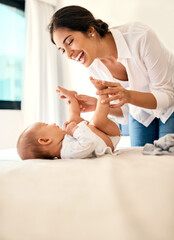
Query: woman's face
[(78, 46)]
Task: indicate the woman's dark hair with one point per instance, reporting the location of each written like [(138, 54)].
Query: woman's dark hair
[(76, 18)]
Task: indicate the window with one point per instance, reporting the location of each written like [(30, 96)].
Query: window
[(12, 49)]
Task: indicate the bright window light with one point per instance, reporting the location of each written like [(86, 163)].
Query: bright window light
[(12, 49)]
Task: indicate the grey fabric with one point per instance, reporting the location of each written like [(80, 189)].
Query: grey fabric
[(162, 146)]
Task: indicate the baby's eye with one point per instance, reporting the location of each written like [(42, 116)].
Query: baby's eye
[(70, 42)]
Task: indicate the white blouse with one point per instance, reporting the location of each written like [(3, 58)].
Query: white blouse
[(149, 66)]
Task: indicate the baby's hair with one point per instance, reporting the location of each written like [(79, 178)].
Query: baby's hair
[(76, 18), (29, 148)]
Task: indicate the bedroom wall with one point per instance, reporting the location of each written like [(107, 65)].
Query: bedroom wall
[(10, 127), (157, 13)]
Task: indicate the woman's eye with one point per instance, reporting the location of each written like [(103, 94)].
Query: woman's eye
[(62, 50), (70, 42)]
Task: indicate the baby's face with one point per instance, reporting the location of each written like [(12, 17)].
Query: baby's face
[(52, 131)]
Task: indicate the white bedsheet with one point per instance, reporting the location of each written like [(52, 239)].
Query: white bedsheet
[(9, 154), (124, 197)]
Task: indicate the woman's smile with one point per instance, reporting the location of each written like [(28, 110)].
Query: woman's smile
[(80, 57), (78, 46)]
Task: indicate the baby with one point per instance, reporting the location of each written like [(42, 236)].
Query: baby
[(77, 138)]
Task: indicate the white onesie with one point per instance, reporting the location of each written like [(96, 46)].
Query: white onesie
[(85, 144)]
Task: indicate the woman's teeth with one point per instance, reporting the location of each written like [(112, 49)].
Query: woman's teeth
[(78, 56)]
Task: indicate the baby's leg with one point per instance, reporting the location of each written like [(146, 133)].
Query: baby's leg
[(100, 118), (74, 109), (65, 93)]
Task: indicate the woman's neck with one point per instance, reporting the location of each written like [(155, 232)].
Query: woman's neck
[(107, 48)]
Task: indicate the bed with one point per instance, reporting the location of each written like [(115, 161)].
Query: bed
[(126, 197)]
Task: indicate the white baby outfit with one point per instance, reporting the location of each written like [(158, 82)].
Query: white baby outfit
[(85, 144)]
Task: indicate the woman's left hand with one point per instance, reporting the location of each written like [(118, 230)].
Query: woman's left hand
[(116, 92)]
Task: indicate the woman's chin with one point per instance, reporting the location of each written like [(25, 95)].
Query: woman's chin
[(89, 63)]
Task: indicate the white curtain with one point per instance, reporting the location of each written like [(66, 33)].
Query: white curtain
[(40, 101)]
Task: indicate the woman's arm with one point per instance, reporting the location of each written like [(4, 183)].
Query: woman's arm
[(141, 99), (159, 63), (88, 104), (117, 92)]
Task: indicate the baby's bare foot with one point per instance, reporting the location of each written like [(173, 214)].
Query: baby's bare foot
[(65, 92), (97, 84)]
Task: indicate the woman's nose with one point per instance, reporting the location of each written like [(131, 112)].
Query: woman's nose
[(70, 54)]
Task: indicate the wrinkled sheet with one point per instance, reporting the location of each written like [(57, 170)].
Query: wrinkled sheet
[(126, 197)]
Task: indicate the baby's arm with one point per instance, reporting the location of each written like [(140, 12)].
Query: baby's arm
[(82, 144), (74, 109)]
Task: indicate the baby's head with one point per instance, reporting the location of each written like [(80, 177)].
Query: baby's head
[(40, 140)]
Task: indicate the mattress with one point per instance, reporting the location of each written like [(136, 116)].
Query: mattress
[(127, 197)]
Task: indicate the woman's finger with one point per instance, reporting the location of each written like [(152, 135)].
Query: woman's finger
[(113, 90), (119, 104), (109, 99), (118, 97), (110, 84), (81, 97), (106, 83), (62, 97)]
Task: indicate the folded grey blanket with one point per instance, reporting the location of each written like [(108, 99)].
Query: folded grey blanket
[(164, 145)]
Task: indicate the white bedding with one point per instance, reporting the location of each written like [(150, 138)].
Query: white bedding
[(124, 197)]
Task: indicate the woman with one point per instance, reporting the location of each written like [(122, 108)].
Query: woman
[(138, 70)]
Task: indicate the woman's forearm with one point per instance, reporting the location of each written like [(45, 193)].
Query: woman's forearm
[(141, 99), (118, 92)]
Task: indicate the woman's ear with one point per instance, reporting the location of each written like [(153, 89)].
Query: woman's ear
[(91, 31), (44, 141)]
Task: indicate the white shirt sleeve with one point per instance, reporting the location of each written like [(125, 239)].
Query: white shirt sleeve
[(157, 61), (81, 145), (123, 120)]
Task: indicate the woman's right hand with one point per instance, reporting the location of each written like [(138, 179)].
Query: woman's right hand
[(86, 103)]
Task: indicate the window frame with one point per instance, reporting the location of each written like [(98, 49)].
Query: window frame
[(12, 105), (19, 4)]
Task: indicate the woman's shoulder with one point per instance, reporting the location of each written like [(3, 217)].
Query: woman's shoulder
[(134, 26)]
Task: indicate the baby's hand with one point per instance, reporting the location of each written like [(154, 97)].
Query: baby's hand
[(70, 127)]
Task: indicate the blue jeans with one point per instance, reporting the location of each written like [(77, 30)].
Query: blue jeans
[(140, 135)]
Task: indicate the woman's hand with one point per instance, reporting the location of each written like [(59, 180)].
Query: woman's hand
[(86, 103), (116, 92)]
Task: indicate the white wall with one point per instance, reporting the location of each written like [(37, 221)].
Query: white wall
[(10, 127), (156, 13)]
